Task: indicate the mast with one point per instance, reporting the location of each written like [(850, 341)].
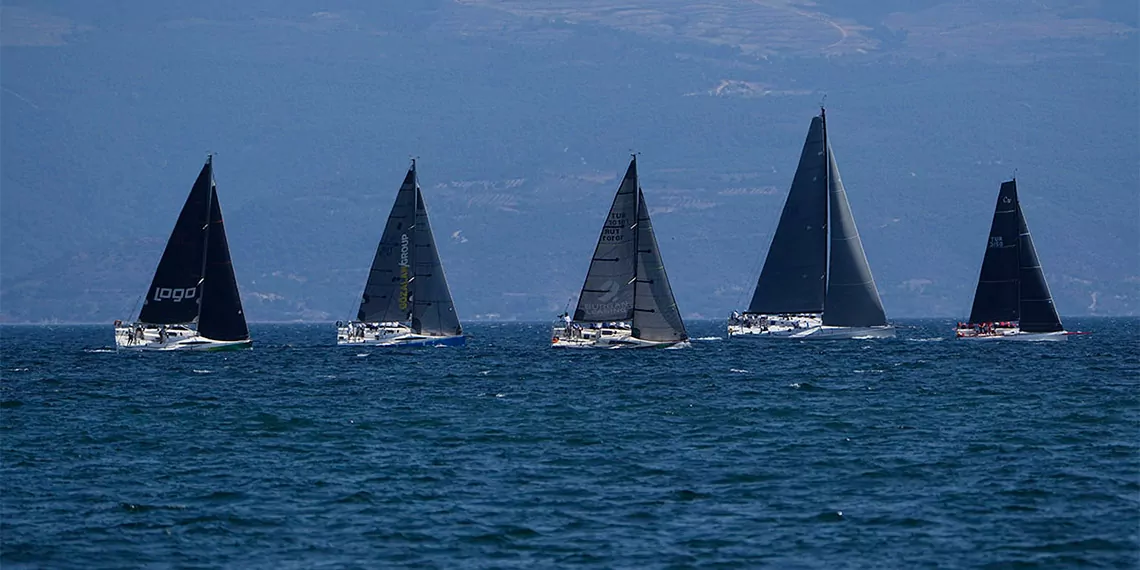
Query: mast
[(206, 230)]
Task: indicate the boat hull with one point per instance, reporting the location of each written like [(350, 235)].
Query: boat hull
[(1012, 335), (391, 334), (605, 338), (175, 338), (800, 327)]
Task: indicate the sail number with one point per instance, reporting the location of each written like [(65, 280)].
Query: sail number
[(174, 294), (995, 242)]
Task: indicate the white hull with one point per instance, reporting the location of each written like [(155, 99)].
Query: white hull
[(800, 327), (140, 336), (390, 334), (607, 338), (1012, 333)]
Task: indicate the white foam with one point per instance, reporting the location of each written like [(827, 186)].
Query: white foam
[(738, 370), (196, 371), (708, 338)]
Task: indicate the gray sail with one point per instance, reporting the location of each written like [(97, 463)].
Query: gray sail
[(996, 298), (1038, 314), (794, 277), (655, 313), (607, 294), (433, 311), (386, 293), (852, 299)]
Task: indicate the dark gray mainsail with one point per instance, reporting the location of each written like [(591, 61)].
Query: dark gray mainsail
[(175, 290), (655, 313), (1038, 314), (433, 311), (607, 294), (852, 299), (996, 298), (386, 293), (794, 276)]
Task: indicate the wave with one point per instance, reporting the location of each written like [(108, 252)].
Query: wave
[(708, 338)]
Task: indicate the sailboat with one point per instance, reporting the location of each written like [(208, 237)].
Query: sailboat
[(816, 283), (193, 301), (406, 301), (626, 300), (1012, 300)]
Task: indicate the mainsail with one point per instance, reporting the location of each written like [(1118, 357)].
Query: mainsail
[(433, 311), (174, 292), (996, 298), (386, 294), (655, 313), (852, 299), (1038, 315), (794, 276), (607, 294), (221, 316)]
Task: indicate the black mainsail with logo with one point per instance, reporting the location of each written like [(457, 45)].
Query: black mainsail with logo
[(1011, 285), (194, 281), (816, 262), (626, 280), (406, 283)]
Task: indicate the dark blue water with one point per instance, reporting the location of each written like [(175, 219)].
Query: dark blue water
[(916, 452)]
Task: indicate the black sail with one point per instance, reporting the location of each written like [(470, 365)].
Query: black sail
[(433, 311), (607, 294), (852, 299), (1038, 314), (174, 292), (386, 293), (794, 277), (996, 298), (221, 316), (655, 313)]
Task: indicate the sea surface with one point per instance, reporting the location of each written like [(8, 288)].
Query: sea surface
[(916, 452)]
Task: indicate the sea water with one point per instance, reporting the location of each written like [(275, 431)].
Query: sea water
[(919, 451)]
